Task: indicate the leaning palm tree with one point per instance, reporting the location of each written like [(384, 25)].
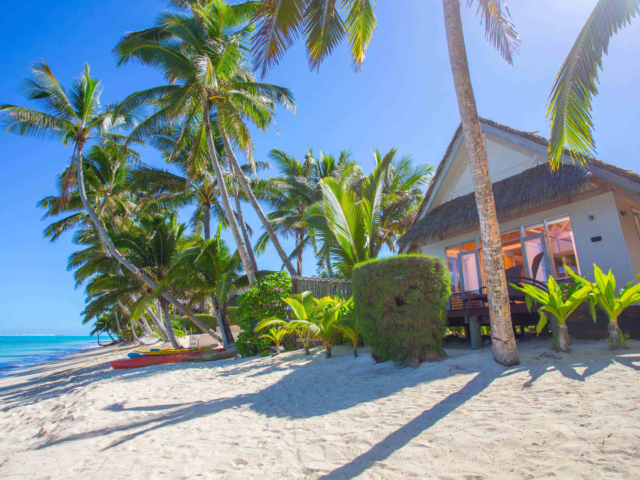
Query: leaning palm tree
[(204, 61), (323, 24), (77, 118), (107, 187), (569, 105)]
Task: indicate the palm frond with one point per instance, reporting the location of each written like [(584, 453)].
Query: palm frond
[(569, 105)]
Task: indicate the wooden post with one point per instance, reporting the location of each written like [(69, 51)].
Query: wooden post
[(476, 333)]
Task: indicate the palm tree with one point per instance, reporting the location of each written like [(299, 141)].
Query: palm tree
[(79, 118), (107, 187), (295, 189), (569, 105), (321, 21), (210, 274), (203, 59)]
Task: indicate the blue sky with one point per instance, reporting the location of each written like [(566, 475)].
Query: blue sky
[(403, 98)]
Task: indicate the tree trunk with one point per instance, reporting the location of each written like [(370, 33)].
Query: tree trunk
[(328, 348), (206, 220), (118, 326), (299, 240), (168, 325), (158, 324), (106, 240), (563, 337), (215, 307), (614, 333), (502, 338), (245, 233), (327, 257), (133, 331), (355, 352), (224, 319), (254, 202), (224, 195)]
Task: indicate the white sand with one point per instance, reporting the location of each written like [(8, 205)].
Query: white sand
[(562, 416)]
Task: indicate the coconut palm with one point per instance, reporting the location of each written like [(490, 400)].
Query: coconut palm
[(106, 168), (203, 59), (322, 24), (77, 118), (569, 104), (209, 274), (294, 190)]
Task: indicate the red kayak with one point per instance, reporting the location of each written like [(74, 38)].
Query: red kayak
[(147, 360)]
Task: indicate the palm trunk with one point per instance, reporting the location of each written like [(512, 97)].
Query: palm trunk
[(562, 333), (254, 202), (224, 195), (118, 326), (503, 341), (245, 233), (327, 257), (225, 323), (106, 240), (299, 240), (133, 332), (226, 341), (614, 333), (168, 325), (158, 324), (206, 220)]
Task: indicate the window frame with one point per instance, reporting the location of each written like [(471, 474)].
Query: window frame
[(523, 238)]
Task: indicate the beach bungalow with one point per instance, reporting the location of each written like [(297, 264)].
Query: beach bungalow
[(548, 220)]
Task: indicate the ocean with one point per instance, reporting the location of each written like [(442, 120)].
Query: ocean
[(18, 352)]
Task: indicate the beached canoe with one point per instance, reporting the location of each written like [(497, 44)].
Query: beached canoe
[(171, 351), (208, 357), (148, 360)]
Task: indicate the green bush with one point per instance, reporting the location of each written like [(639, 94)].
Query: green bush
[(265, 299), (400, 304)]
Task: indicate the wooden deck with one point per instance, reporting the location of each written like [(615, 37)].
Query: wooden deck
[(580, 324)]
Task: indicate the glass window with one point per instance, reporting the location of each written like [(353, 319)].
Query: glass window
[(534, 229), (454, 271), (509, 236), (467, 247), (563, 247)]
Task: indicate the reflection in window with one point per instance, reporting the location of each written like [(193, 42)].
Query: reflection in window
[(563, 246), (454, 271), (534, 229)]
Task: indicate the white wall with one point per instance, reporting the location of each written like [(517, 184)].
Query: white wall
[(610, 253), (504, 162)]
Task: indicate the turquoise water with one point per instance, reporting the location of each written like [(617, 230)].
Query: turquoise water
[(25, 351)]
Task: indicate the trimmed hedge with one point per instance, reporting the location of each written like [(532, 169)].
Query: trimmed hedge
[(400, 302)]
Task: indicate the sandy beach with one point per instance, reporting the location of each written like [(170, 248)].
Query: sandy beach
[(573, 415)]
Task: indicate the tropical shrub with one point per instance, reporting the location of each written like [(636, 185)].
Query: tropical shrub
[(400, 305), (613, 303), (312, 318), (276, 335), (265, 299), (557, 303)]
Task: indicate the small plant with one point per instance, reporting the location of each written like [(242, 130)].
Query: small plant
[(604, 295), (349, 325), (623, 339), (276, 335), (557, 304), (312, 318)]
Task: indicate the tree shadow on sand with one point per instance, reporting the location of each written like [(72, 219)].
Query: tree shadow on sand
[(306, 386)]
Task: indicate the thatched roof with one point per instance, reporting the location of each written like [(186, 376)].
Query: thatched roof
[(532, 188), (593, 165)]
